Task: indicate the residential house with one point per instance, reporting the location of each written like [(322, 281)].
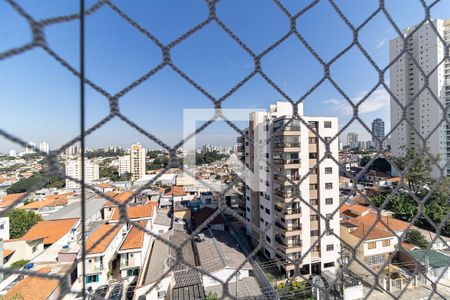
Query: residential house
[(181, 282), (49, 204), (437, 264), (161, 222), (133, 249), (38, 238), (118, 198), (14, 200), (221, 257), (36, 288), (135, 213), (101, 246), (171, 195)]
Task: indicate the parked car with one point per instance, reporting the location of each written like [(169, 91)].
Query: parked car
[(116, 293), (101, 291)]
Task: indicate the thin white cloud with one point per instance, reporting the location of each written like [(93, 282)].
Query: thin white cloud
[(378, 100), (381, 43)]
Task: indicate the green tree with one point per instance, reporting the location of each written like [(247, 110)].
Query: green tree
[(364, 160), (415, 237), (20, 221), (19, 263), (24, 185), (420, 167), (212, 296)]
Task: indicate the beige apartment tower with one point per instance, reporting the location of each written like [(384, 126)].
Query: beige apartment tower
[(137, 161), (294, 152)]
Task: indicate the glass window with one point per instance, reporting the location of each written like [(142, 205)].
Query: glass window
[(386, 243), (329, 201), (372, 245), (328, 265), (327, 124), (314, 217), (328, 185), (313, 186), (330, 247), (328, 170)]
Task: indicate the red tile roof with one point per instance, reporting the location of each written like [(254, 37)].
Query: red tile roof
[(119, 197), (134, 238), (32, 287), (136, 212), (175, 191), (105, 236), (50, 231)]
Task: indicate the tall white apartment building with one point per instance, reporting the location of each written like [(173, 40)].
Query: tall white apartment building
[(124, 164), (73, 169), (293, 152), (406, 81), (30, 149), (137, 161), (44, 147), (352, 139)]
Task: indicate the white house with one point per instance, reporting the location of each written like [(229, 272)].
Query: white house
[(133, 250), (221, 257), (99, 255)]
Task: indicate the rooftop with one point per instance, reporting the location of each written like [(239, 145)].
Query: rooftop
[(218, 250), (435, 259), (51, 230), (134, 238), (136, 212), (204, 213), (32, 287), (73, 210), (105, 233), (119, 197), (162, 217)]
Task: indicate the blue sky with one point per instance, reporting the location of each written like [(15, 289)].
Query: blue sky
[(39, 98)]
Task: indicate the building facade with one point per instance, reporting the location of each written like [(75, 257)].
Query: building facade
[(73, 169), (352, 139), (137, 161), (294, 153), (44, 147), (378, 133), (422, 106), (124, 164)]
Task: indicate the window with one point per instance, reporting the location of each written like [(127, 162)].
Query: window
[(328, 170), (92, 278), (375, 260), (328, 185), (327, 124), (268, 239), (312, 140), (327, 139), (313, 186), (267, 211), (330, 232), (161, 294), (328, 265), (313, 155), (372, 245), (328, 201), (2, 226), (315, 233), (386, 243), (330, 247), (34, 249), (314, 201), (314, 217)]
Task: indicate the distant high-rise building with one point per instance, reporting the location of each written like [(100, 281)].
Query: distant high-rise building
[(72, 150), (137, 161), (423, 110), (124, 164), (73, 169), (30, 148), (44, 147), (378, 132), (293, 228), (352, 140), (12, 152)]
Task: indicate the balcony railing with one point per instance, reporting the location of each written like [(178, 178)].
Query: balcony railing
[(294, 227), (282, 161), (286, 145), (286, 128), (294, 244), (280, 225)]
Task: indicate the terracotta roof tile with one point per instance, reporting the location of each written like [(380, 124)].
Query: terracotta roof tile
[(392, 223), (204, 213), (104, 234), (8, 252), (135, 238), (48, 202), (32, 287), (119, 197), (10, 199), (51, 230), (175, 191), (136, 212), (364, 231)]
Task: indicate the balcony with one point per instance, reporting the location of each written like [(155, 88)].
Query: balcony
[(287, 130), (289, 213), (287, 163), (92, 268), (287, 146), (283, 180)]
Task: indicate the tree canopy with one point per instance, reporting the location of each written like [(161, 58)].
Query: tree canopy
[(20, 221)]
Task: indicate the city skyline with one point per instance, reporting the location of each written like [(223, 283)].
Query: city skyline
[(157, 104)]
